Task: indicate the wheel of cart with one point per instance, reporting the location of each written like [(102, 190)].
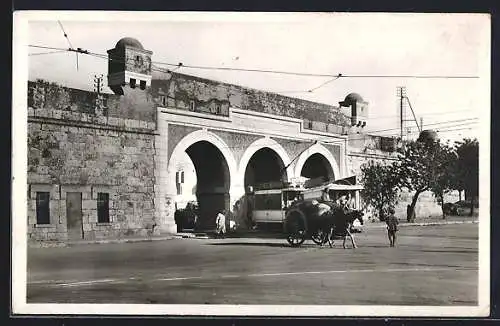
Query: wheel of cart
[(319, 237), (296, 227)]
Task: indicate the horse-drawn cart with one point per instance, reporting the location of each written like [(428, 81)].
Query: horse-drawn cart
[(311, 218)]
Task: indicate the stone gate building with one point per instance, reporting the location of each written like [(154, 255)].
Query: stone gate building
[(108, 165)]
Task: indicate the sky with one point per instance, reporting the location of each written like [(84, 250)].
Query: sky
[(369, 45)]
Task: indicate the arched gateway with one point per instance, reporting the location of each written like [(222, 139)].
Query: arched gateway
[(215, 168)]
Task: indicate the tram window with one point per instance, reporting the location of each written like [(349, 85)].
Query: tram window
[(268, 202)]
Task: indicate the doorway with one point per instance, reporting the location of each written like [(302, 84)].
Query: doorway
[(74, 215)]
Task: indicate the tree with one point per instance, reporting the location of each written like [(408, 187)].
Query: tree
[(424, 165), (467, 168), (443, 179), (380, 184)]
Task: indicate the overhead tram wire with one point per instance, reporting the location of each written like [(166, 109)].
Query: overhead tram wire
[(50, 52), (69, 42), (179, 65), (48, 47), (372, 132), (335, 77), (105, 56), (428, 124), (424, 114)]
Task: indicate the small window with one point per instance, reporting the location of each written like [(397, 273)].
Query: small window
[(42, 208), (102, 207), (132, 82), (191, 105), (217, 109), (143, 84), (182, 177), (163, 100)]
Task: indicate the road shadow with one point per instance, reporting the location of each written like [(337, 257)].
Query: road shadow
[(249, 244), (279, 245), (277, 236), (272, 245)]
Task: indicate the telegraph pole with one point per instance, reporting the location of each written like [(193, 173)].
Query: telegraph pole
[(98, 85), (98, 81), (401, 93)]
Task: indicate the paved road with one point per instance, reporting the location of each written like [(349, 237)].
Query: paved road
[(430, 266)]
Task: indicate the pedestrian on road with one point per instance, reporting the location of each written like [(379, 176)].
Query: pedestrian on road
[(221, 224), (392, 226), (325, 196)]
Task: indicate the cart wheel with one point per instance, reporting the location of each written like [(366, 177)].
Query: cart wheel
[(296, 228), (319, 237)]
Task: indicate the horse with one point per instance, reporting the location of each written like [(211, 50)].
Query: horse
[(321, 221), (340, 225)]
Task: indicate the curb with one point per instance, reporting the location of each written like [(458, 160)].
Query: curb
[(133, 240)]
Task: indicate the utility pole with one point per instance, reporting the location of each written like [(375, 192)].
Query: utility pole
[(401, 93), (98, 85), (421, 123), (98, 80)]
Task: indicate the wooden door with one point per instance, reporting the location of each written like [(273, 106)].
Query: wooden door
[(74, 215)]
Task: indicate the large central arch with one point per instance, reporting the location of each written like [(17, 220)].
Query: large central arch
[(264, 160), (215, 168)]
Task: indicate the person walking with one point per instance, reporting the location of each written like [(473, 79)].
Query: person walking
[(221, 224), (392, 226)]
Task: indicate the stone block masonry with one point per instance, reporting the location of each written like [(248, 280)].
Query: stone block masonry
[(72, 148), (212, 97)]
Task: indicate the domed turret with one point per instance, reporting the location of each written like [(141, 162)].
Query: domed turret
[(359, 109), (129, 64), (128, 42), (353, 98), (428, 136)]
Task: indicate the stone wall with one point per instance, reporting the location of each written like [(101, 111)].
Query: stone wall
[(74, 146), (135, 104), (182, 91)]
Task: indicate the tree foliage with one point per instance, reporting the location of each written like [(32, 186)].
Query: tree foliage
[(380, 185), (444, 174), (467, 168), (423, 166)]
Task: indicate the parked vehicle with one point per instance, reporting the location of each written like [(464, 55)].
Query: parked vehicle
[(271, 203), (186, 218), (459, 208), (302, 220)]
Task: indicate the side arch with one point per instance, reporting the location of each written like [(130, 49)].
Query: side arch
[(317, 149)]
